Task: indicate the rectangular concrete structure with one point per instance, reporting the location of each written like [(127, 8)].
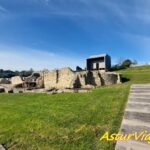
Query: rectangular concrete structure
[(99, 62)]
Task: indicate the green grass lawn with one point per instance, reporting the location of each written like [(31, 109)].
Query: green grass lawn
[(66, 121)]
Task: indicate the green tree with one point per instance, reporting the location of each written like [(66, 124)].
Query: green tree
[(126, 63)]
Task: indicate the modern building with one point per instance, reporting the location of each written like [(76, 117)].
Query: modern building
[(99, 62)]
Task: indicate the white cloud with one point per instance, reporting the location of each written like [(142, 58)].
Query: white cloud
[(19, 58), (98, 10)]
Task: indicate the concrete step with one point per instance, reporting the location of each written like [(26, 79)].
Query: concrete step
[(139, 91), (138, 99), (138, 115), (141, 102), (137, 106), (139, 96), (140, 85), (140, 88), (129, 129), (131, 145), (132, 87), (134, 122)]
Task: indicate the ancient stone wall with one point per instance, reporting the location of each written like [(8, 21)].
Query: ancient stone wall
[(16, 80), (5, 81), (40, 82), (109, 78), (59, 78), (66, 78), (88, 79)]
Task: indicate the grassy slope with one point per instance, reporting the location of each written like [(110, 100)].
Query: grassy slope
[(65, 121)]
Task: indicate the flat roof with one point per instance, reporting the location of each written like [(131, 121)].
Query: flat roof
[(97, 56)]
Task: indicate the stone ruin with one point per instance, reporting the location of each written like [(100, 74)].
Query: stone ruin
[(68, 79), (19, 84), (65, 79), (96, 74)]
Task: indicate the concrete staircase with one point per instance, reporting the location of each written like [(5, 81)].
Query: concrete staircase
[(136, 117)]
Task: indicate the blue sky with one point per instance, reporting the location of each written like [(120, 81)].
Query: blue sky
[(57, 33)]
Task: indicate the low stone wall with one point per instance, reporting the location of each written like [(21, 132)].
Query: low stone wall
[(66, 78)]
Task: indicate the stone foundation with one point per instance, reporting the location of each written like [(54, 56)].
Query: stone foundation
[(66, 78)]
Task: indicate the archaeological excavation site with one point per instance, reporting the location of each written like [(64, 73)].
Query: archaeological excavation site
[(97, 73)]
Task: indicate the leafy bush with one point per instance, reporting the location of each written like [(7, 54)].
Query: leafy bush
[(123, 65)]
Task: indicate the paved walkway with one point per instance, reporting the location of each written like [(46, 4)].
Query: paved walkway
[(136, 117)]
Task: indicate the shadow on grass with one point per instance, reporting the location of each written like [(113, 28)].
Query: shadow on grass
[(124, 79)]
